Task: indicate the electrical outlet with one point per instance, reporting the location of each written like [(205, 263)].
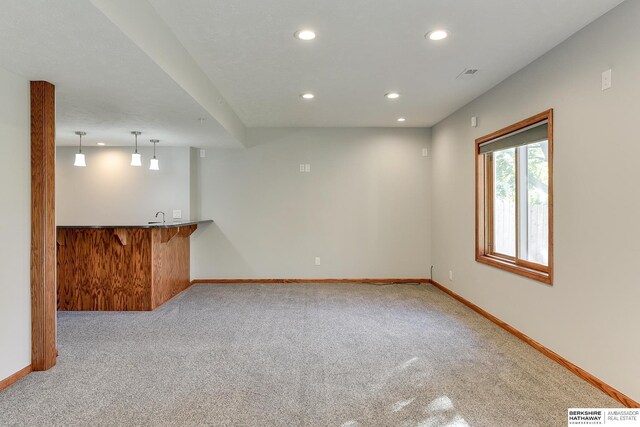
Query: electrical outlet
[(451, 275), (177, 214), (317, 260)]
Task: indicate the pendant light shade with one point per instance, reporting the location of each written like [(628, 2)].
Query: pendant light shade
[(154, 164), (79, 160), (136, 159), (79, 155)]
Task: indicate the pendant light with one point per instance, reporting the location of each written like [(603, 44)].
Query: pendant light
[(154, 166), (79, 155), (136, 159)]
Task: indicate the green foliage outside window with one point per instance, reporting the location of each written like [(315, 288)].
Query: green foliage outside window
[(537, 173)]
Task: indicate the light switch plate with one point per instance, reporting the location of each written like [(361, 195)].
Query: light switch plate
[(177, 214), (307, 167), (203, 153), (425, 152)]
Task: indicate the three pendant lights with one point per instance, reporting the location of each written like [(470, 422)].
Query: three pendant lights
[(136, 158)]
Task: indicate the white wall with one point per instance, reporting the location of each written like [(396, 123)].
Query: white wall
[(109, 191), (591, 314), (363, 208), (15, 227), (194, 183)]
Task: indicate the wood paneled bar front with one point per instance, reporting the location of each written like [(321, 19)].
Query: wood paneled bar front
[(122, 268)]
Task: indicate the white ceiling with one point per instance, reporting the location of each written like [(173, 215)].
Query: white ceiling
[(110, 82), (363, 49), (105, 85)]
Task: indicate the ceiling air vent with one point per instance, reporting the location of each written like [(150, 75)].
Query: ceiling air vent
[(467, 73)]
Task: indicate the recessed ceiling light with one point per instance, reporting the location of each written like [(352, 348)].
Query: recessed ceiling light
[(102, 144), (307, 95), (401, 119), (436, 35), (305, 35), (392, 95)]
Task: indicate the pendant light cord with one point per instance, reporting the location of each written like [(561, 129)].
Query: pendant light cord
[(80, 151), (136, 143)]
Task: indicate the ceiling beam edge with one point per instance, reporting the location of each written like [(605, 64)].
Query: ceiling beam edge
[(140, 22)]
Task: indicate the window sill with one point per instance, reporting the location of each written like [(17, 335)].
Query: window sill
[(540, 276)]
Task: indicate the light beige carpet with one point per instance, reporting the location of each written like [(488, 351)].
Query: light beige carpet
[(296, 355)]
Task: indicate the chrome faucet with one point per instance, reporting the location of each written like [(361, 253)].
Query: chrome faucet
[(158, 213)]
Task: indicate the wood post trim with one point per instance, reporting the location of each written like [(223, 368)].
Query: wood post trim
[(43, 227)]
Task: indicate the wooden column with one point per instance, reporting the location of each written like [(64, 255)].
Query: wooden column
[(43, 227)]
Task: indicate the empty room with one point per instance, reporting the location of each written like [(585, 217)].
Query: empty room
[(319, 213)]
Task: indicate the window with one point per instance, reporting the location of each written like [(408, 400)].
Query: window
[(514, 198)]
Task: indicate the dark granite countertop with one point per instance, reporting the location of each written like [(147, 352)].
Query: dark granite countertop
[(152, 225)]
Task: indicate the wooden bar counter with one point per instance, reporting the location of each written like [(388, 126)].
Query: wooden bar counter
[(122, 268)]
